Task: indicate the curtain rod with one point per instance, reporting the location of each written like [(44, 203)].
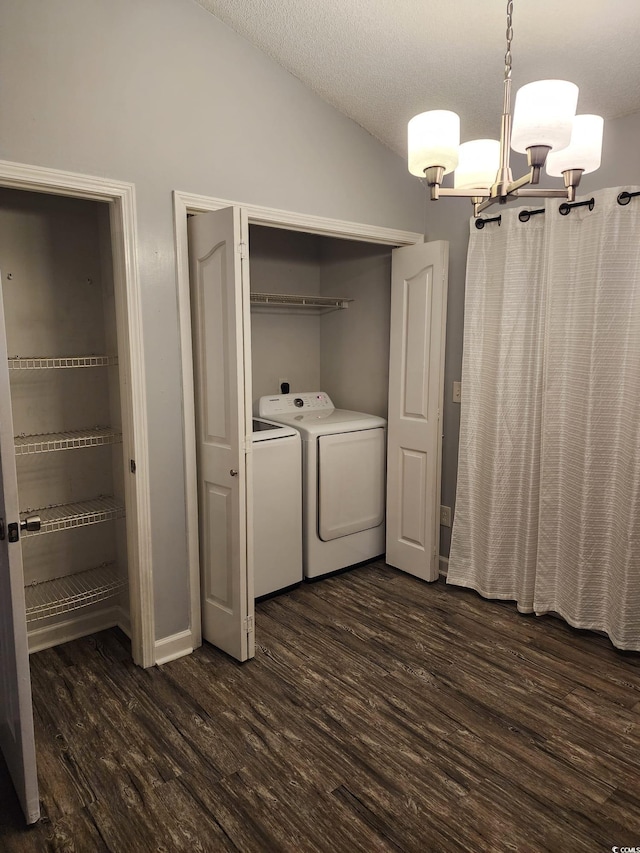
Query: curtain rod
[(625, 197), (565, 208)]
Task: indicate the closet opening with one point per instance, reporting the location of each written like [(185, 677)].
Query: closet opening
[(263, 298), (343, 351), (66, 360)]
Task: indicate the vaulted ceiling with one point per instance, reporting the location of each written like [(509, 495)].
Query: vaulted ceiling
[(382, 61)]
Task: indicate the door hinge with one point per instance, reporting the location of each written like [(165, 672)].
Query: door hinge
[(242, 249), (132, 466), (248, 624)]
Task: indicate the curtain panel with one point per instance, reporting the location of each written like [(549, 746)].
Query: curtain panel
[(548, 500)]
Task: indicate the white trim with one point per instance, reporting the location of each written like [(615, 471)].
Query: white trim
[(183, 204), (72, 629), (175, 646), (443, 566), (121, 198), (288, 220)]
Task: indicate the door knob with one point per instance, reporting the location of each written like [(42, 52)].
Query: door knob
[(233, 472), (31, 523)]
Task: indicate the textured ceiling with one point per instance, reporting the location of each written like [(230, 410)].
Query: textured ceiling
[(382, 61)]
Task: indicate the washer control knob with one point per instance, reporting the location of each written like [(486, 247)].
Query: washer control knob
[(299, 402)]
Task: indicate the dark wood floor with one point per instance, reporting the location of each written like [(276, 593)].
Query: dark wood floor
[(379, 714)]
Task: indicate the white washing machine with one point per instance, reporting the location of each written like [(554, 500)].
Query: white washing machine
[(343, 476), (277, 507)]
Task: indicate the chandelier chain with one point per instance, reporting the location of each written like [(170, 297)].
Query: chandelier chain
[(507, 56)]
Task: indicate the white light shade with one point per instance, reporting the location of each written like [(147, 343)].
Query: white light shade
[(434, 138), (543, 114), (584, 150), (478, 164)]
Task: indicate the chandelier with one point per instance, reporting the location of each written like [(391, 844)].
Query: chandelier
[(544, 126)]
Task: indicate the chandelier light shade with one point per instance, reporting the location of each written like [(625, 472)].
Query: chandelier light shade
[(543, 114), (478, 163), (584, 150), (544, 125), (434, 139)]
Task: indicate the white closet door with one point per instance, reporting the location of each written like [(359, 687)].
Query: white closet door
[(416, 379), (16, 714), (220, 322)]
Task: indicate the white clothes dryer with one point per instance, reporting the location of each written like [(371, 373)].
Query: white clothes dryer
[(343, 479)]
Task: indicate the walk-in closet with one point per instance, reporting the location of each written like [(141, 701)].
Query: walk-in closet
[(62, 350)]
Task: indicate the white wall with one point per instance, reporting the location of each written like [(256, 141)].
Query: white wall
[(161, 93)]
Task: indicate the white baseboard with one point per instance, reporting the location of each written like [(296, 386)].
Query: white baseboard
[(444, 566), (72, 629), (175, 646)]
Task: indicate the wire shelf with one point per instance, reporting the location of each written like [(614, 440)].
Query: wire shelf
[(45, 363), (70, 440), (317, 304), (67, 516), (63, 595)]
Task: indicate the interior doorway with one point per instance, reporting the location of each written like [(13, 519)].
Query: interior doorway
[(121, 235)]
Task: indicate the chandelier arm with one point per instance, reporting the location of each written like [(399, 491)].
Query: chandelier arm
[(527, 192), (483, 205), (476, 192), (538, 192), (524, 181)]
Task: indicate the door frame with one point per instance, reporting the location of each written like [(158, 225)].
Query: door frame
[(122, 217), (190, 203)]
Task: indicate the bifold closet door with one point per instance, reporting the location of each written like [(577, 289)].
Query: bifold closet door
[(219, 280), (16, 713), (416, 384)]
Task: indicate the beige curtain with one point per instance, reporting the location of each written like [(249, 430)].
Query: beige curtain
[(548, 503)]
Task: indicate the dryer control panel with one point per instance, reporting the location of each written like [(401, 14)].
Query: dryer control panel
[(280, 404)]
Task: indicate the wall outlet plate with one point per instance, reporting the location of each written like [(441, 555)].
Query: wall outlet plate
[(457, 392), (445, 516)]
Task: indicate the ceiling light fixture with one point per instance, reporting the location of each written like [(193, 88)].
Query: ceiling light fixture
[(544, 126)]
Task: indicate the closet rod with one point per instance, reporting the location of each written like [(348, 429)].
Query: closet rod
[(298, 301)]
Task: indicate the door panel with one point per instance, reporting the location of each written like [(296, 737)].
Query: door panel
[(16, 713), (416, 371), (219, 296), (412, 497)]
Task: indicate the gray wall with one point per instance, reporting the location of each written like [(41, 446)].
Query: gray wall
[(161, 93), (448, 219), (344, 352), (285, 343), (354, 356)]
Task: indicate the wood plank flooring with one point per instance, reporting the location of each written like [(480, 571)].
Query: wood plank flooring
[(379, 714)]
